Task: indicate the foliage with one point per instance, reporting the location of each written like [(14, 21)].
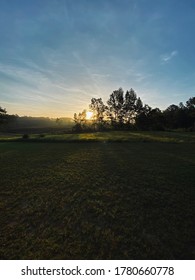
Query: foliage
[(5, 119), (115, 109), (127, 111), (80, 121), (2, 111), (99, 112), (2, 115)]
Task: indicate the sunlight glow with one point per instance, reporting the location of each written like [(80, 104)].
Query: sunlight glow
[(89, 115)]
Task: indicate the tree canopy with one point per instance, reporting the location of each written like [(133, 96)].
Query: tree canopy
[(2, 115), (127, 111)]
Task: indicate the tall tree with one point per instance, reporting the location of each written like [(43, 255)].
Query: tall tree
[(139, 106), (142, 119), (171, 116), (156, 119), (130, 106), (98, 108), (115, 109), (190, 104)]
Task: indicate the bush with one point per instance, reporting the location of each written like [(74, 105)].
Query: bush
[(25, 136)]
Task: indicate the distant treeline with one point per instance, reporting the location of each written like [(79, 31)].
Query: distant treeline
[(15, 123), (127, 111)]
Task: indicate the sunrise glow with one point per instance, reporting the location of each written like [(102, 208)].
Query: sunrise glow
[(89, 115)]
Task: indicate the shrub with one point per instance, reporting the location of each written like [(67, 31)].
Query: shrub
[(42, 135), (25, 136)]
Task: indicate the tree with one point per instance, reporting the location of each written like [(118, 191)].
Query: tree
[(150, 119), (3, 116), (138, 106), (171, 116), (190, 104), (98, 108), (128, 112), (80, 121), (2, 111), (182, 116), (115, 109), (142, 119), (156, 119), (5, 119), (130, 106)]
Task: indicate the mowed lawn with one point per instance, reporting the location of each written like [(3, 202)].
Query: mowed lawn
[(97, 200)]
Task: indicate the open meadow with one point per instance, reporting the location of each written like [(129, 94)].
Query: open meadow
[(98, 196)]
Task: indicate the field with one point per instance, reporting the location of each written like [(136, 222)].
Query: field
[(106, 198), (112, 136)]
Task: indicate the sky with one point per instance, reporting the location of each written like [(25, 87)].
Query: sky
[(55, 55)]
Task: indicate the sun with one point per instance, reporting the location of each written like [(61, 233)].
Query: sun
[(89, 115)]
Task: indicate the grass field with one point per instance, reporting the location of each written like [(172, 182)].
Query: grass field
[(98, 200), (112, 136)]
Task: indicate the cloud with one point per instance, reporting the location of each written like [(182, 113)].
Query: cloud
[(28, 88), (165, 58)]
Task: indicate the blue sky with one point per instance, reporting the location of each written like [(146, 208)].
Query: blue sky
[(55, 55)]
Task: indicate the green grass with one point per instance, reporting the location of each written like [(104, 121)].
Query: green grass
[(131, 200), (112, 136)]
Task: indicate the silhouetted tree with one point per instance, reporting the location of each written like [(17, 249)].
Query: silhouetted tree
[(179, 116), (80, 121), (142, 119), (3, 115), (6, 120), (128, 111), (129, 106), (150, 119), (98, 108), (183, 118), (156, 119), (115, 109), (190, 105), (171, 116)]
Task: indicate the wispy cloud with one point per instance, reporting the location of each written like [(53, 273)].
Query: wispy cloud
[(95, 78), (44, 89), (165, 58)]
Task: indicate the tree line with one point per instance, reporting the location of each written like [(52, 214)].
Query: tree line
[(5, 118), (125, 110), (14, 123), (122, 111)]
